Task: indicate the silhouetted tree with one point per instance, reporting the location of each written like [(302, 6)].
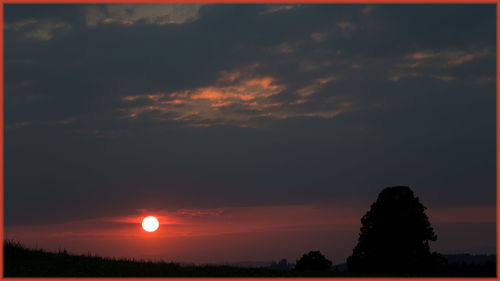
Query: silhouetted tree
[(314, 260), (394, 236), (281, 265)]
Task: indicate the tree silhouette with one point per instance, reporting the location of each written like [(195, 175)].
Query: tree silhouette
[(314, 260), (281, 265), (394, 236)]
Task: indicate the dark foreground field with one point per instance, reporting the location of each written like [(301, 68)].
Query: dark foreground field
[(22, 262)]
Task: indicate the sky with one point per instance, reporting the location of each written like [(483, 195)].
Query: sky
[(253, 132)]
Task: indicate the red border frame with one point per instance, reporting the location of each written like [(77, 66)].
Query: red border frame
[(253, 1), (498, 135), (2, 2)]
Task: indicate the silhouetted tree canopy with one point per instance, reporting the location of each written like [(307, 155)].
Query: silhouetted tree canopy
[(394, 236), (314, 260)]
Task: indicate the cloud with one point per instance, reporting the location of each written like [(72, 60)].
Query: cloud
[(38, 30), (212, 104), (312, 88), (445, 78), (285, 48), (200, 212), (443, 65), (152, 13), (20, 24), (319, 36), (399, 75), (239, 97), (346, 25), (47, 30), (447, 58), (271, 9)]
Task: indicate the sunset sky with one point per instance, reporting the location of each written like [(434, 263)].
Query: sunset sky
[(253, 132)]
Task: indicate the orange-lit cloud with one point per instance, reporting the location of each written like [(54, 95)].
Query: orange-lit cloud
[(237, 97), (462, 58), (417, 64), (421, 55), (313, 87), (447, 58)]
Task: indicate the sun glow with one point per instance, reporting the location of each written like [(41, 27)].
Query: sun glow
[(150, 224)]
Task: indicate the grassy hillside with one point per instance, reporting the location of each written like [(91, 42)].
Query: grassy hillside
[(23, 262)]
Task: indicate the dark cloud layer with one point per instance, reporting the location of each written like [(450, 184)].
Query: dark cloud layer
[(108, 110)]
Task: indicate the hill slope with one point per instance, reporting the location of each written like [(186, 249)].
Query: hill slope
[(22, 262)]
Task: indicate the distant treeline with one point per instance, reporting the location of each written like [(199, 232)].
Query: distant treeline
[(22, 262)]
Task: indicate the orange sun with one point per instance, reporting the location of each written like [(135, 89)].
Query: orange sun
[(150, 224)]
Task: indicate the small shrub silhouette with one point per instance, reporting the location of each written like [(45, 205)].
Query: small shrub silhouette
[(281, 265), (313, 261)]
